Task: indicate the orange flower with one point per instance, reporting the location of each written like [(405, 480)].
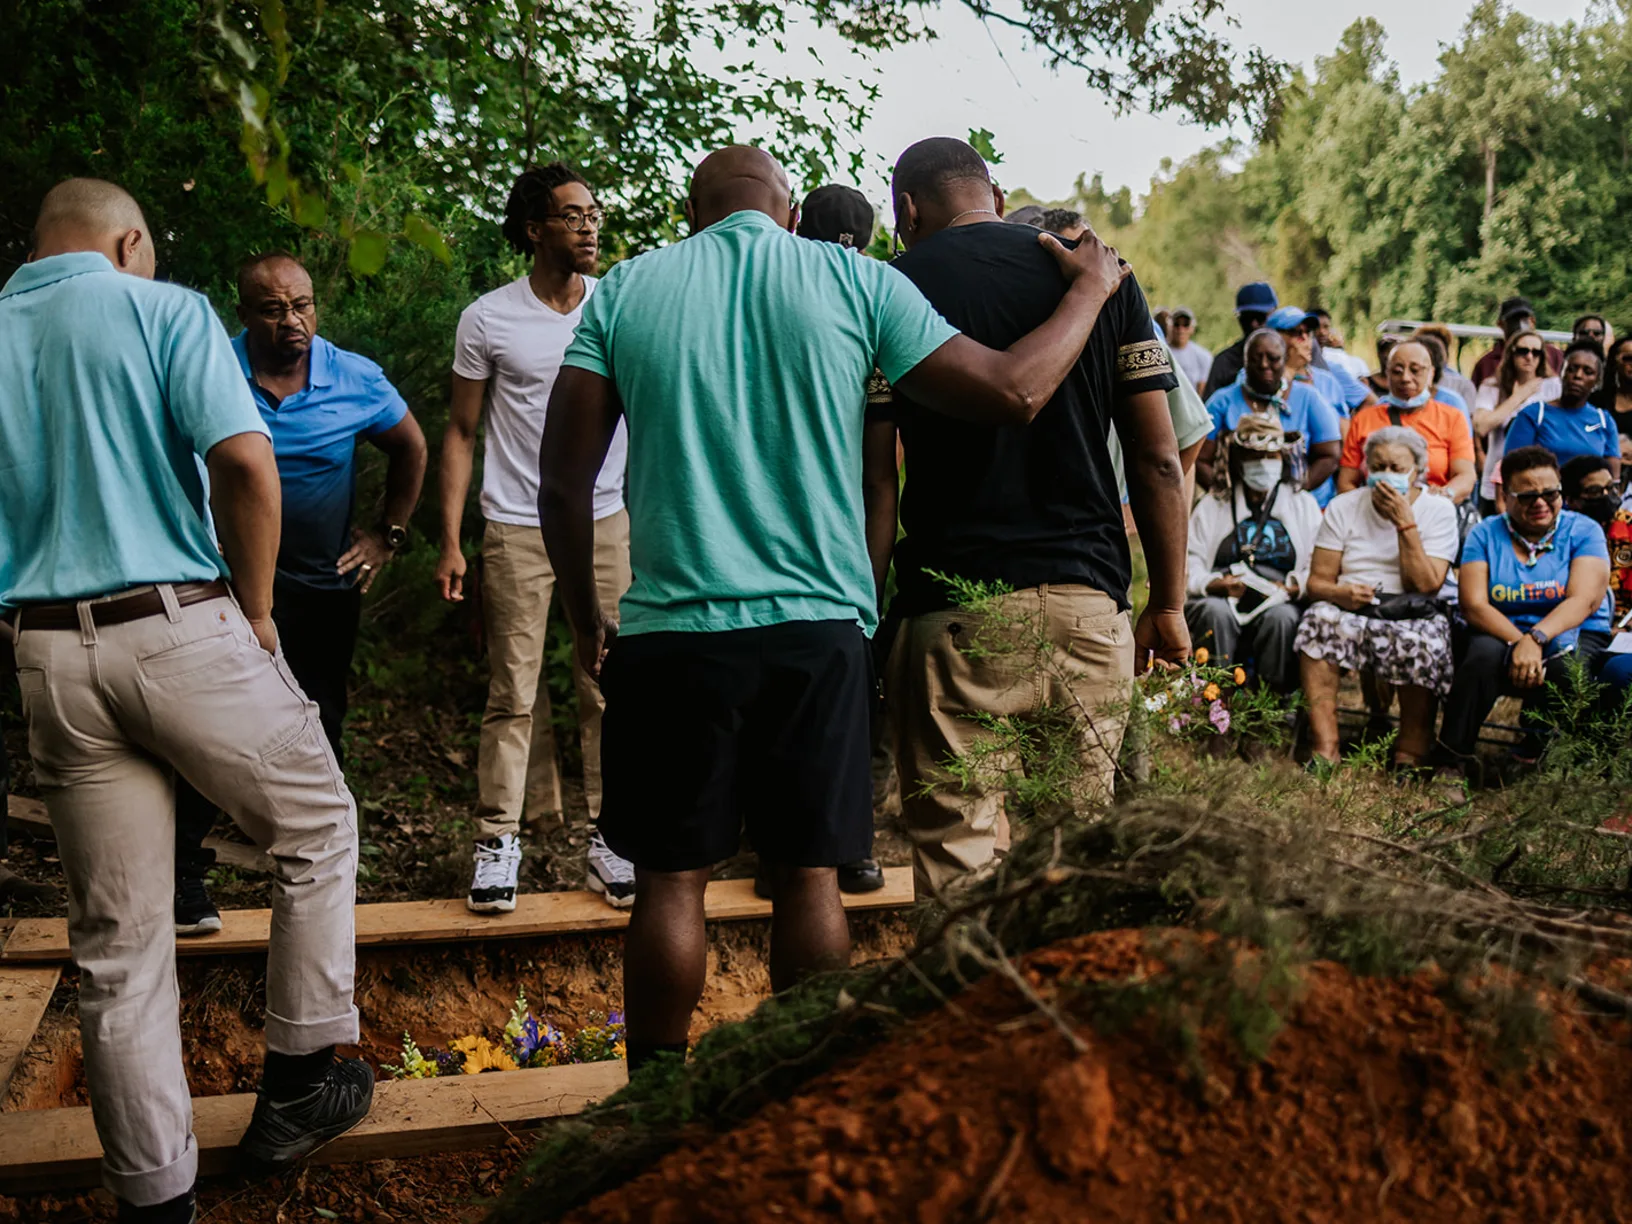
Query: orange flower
[(1210, 692), (1240, 675), (1201, 655)]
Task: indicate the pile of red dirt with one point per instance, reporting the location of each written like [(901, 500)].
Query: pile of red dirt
[(1379, 1100)]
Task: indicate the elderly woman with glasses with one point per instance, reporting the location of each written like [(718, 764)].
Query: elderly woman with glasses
[(1534, 588), (1523, 377), (1409, 402), (1380, 558)]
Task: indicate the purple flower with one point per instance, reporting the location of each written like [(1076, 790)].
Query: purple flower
[(1219, 717)]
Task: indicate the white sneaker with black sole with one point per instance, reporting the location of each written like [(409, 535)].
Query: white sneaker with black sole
[(609, 875), (493, 883)]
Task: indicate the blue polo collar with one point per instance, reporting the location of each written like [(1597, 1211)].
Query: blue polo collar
[(746, 218), (54, 268), (320, 372)]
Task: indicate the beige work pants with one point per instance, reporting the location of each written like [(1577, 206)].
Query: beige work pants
[(516, 766), (1049, 651), (112, 710)]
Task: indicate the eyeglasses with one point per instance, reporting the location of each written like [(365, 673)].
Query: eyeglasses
[(576, 221), (273, 311), (1527, 352), (1551, 496)]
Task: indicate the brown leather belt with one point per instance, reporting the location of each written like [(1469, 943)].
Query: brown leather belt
[(116, 611)]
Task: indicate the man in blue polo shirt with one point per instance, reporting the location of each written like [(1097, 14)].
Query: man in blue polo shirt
[(737, 689), (318, 401), (1334, 383), (145, 653), (1263, 387)]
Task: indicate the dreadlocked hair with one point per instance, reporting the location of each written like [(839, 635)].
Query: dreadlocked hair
[(531, 198)]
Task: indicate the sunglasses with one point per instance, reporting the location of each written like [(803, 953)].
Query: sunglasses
[(1527, 352), (1551, 496)]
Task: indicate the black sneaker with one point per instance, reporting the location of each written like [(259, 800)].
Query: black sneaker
[(281, 1133), (861, 876), (195, 912)]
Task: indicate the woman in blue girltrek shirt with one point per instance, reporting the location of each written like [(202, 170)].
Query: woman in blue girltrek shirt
[(1570, 426), (1534, 589)]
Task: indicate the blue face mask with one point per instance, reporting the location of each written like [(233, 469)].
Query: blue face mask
[(1398, 481), (1416, 401)]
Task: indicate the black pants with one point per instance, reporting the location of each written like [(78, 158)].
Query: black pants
[(774, 740), (1482, 677), (317, 631)]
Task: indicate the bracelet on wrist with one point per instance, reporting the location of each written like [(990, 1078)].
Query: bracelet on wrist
[(1407, 527)]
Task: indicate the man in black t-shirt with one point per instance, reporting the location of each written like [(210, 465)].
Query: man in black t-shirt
[(1034, 507)]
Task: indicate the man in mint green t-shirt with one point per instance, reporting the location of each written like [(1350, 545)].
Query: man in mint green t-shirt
[(737, 686)]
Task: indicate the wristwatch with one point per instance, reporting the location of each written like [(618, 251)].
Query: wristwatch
[(1538, 637), (395, 536)]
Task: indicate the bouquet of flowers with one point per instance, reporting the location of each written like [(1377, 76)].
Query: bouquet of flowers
[(1201, 701), (526, 1041)]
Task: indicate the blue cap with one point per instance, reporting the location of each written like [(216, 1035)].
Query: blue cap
[(1290, 318), (1258, 296)]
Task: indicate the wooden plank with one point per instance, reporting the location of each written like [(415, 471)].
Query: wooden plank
[(52, 1149), (28, 816), (44, 940), (25, 992)]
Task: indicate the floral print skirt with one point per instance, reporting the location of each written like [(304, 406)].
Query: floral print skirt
[(1399, 652)]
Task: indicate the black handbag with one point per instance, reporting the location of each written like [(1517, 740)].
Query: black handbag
[(1408, 605)]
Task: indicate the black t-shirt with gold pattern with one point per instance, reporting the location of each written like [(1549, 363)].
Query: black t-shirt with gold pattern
[(1023, 505)]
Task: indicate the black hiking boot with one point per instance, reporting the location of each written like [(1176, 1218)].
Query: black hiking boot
[(179, 1210), (283, 1132)]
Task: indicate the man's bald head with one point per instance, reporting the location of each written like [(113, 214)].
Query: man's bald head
[(86, 214), (739, 178)]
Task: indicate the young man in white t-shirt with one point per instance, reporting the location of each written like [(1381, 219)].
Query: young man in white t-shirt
[(506, 359)]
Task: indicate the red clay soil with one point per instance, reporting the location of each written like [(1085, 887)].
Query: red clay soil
[(1378, 1101)]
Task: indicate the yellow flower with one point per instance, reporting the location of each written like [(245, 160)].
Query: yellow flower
[(482, 1055), (1210, 692), (1201, 655), (1239, 675)]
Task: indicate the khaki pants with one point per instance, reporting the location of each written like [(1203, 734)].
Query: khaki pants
[(517, 583), (1064, 648), (111, 709)]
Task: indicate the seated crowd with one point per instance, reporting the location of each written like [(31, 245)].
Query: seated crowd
[(1448, 540)]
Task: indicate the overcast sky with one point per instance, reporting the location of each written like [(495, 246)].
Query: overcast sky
[(1050, 127)]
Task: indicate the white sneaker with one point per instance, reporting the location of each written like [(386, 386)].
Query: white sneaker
[(609, 875), (493, 886)]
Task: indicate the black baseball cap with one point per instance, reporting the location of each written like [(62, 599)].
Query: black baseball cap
[(1516, 306), (836, 213)]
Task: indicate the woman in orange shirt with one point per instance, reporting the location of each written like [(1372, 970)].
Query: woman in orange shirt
[(1409, 402)]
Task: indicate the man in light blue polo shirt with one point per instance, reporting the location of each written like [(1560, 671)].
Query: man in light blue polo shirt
[(317, 401), (737, 690), (1334, 383), (1263, 387), (138, 662)]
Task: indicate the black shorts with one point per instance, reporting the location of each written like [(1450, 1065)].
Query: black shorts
[(708, 733)]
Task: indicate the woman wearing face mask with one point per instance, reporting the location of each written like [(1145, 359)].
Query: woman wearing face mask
[(1520, 379), (1379, 560), (1568, 425), (1260, 520), (1410, 402), (1534, 589)]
